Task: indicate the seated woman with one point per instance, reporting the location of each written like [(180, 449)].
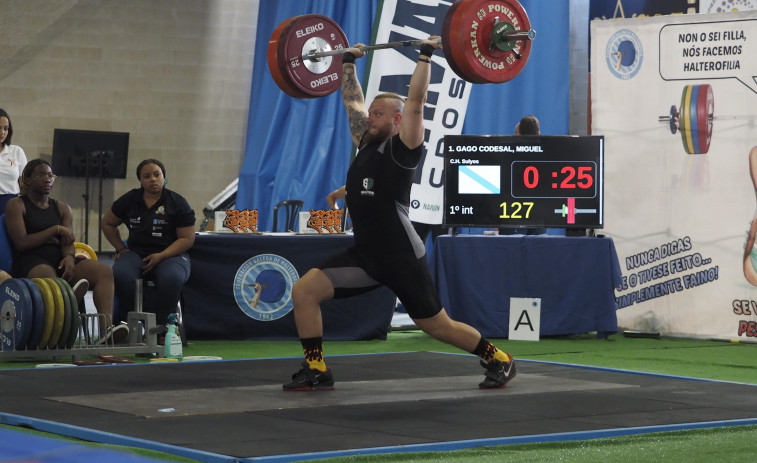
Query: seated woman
[(161, 231), (41, 230)]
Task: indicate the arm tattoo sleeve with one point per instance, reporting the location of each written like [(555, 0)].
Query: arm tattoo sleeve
[(352, 93)]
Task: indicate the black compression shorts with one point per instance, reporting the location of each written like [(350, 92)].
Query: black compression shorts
[(409, 278)]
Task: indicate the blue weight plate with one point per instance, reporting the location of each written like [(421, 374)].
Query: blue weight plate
[(15, 314), (38, 314)]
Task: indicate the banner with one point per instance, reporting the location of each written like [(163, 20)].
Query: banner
[(448, 94), (674, 97)]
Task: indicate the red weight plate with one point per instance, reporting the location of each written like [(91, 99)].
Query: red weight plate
[(300, 35), (446, 37), (466, 39), (705, 112), (281, 77)]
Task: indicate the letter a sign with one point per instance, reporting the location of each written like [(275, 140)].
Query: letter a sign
[(525, 319)]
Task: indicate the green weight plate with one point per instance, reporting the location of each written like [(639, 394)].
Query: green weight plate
[(73, 309)]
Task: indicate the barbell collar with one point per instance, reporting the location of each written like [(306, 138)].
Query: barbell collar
[(514, 36)]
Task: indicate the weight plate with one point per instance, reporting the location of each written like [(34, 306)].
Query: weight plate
[(66, 313), (38, 314), (280, 76), (49, 304), (446, 35), (467, 40), (73, 309), (693, 120), (685, 124), (297, 36), (705, 116), (60, 314), (15, 314), (84, 250)]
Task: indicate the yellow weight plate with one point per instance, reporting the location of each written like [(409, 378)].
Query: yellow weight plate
[(84, 250), (66, 313), (685, 116), (49, 320), (60, 313)]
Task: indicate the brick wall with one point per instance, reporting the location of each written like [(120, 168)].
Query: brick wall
[(175, 74)]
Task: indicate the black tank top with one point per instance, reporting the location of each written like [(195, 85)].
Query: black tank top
[(37, 219)]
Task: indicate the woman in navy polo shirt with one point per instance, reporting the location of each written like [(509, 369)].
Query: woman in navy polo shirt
[(161, 231)]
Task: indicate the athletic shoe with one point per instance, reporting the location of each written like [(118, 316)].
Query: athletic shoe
[(80, 289), (498, 374), (118, 334), (309, 379), (121, 334)]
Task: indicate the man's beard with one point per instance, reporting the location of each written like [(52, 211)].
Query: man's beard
[(381, 134)]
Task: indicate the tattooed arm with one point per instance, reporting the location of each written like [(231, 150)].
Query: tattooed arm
[(352, 96)]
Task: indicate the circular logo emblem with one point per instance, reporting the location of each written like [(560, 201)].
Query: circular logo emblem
[(263, 287), (726, 6), (624, 54)]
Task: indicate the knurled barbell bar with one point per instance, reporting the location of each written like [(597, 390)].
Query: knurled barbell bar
[(484, 41)]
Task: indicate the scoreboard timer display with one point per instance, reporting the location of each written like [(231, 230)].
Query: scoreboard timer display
[(523, 181)]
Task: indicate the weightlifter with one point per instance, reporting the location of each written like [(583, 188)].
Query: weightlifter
[(387, 251)]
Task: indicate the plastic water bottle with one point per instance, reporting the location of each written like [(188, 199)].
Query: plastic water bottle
[(173, 340)]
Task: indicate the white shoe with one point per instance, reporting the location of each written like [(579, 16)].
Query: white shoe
[(118, 334), (80, 289)]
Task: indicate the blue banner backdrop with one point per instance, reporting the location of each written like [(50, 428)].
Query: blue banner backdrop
[(300, 149)]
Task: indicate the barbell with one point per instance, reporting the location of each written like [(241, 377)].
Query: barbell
[(694, 118), (484, 41)]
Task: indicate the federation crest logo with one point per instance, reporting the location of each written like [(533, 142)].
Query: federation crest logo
[(624, 54), (263, 287)]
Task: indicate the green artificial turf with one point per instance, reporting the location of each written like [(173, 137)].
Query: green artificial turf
[(729, 444)]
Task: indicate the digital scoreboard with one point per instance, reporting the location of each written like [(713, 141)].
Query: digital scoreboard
[(523, 181)]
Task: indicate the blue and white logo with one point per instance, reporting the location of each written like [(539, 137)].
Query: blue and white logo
[(263, 287), (624, 54)]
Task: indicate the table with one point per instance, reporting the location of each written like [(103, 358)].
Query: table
[(575, 278), (222, 301)]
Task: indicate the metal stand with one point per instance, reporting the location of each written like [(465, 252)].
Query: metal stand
[(143, 339)]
